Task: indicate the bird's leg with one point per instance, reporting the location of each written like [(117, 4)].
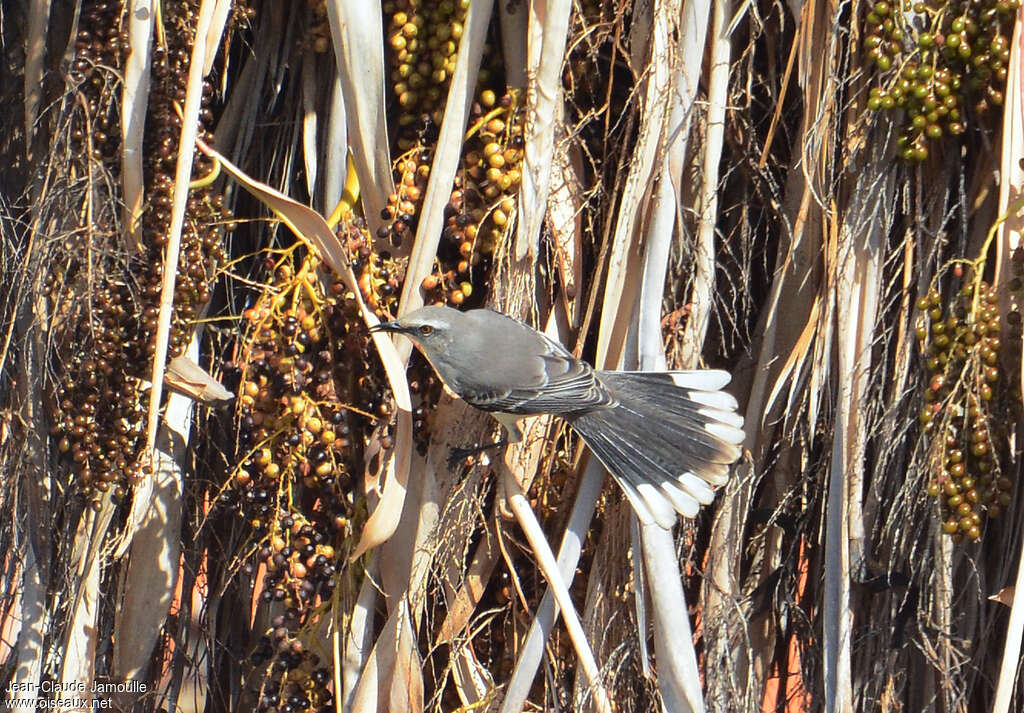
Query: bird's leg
[(515, 435), (458, 455)]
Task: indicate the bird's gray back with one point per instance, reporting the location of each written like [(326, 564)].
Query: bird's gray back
[(500, 364)]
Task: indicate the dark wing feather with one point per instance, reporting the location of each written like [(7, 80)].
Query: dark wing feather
[(550, 380), (570, 387)]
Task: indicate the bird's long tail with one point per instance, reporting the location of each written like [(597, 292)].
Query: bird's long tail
[(670, 439)]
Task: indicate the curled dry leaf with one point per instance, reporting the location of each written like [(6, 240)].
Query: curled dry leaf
[(311, 227), (1004, 596), (189, 379)]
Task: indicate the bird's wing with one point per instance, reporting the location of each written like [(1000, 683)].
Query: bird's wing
[(551, 381)]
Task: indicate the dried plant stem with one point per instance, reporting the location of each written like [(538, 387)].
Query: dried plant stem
[(1012, 645), (182, 178), (532, 649), (520, 506)]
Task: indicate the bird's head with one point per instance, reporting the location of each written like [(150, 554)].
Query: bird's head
[(431, 328)]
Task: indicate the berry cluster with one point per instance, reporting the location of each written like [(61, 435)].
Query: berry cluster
[(380, 279), (937, 61), (299, 564), (965, 409), (299, 442), (483, 202), (296, 680), (424, 41), (320, 30), (293, 428), (424, 44), (114, 336)]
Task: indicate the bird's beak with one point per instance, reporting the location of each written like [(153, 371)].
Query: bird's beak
[(387, 327)]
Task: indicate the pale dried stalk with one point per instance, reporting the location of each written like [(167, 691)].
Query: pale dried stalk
[(27, 660), (679, 681), (30, 535), (79, 663), (134, 100), (844, 288), (391, 679), (548, 566), (546, 33), (35, 50), (704, 260), (675, 100), (150, 575), (531, 650), (358, 638), (336, 149), (1012, 179), (843, 517), (213, 37), (678, 674), (310, 150), (357, 34), (381, 672), (620, 287), (182, 178), (1011, 645)]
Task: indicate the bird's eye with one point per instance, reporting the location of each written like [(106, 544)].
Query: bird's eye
[(426, 329)]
